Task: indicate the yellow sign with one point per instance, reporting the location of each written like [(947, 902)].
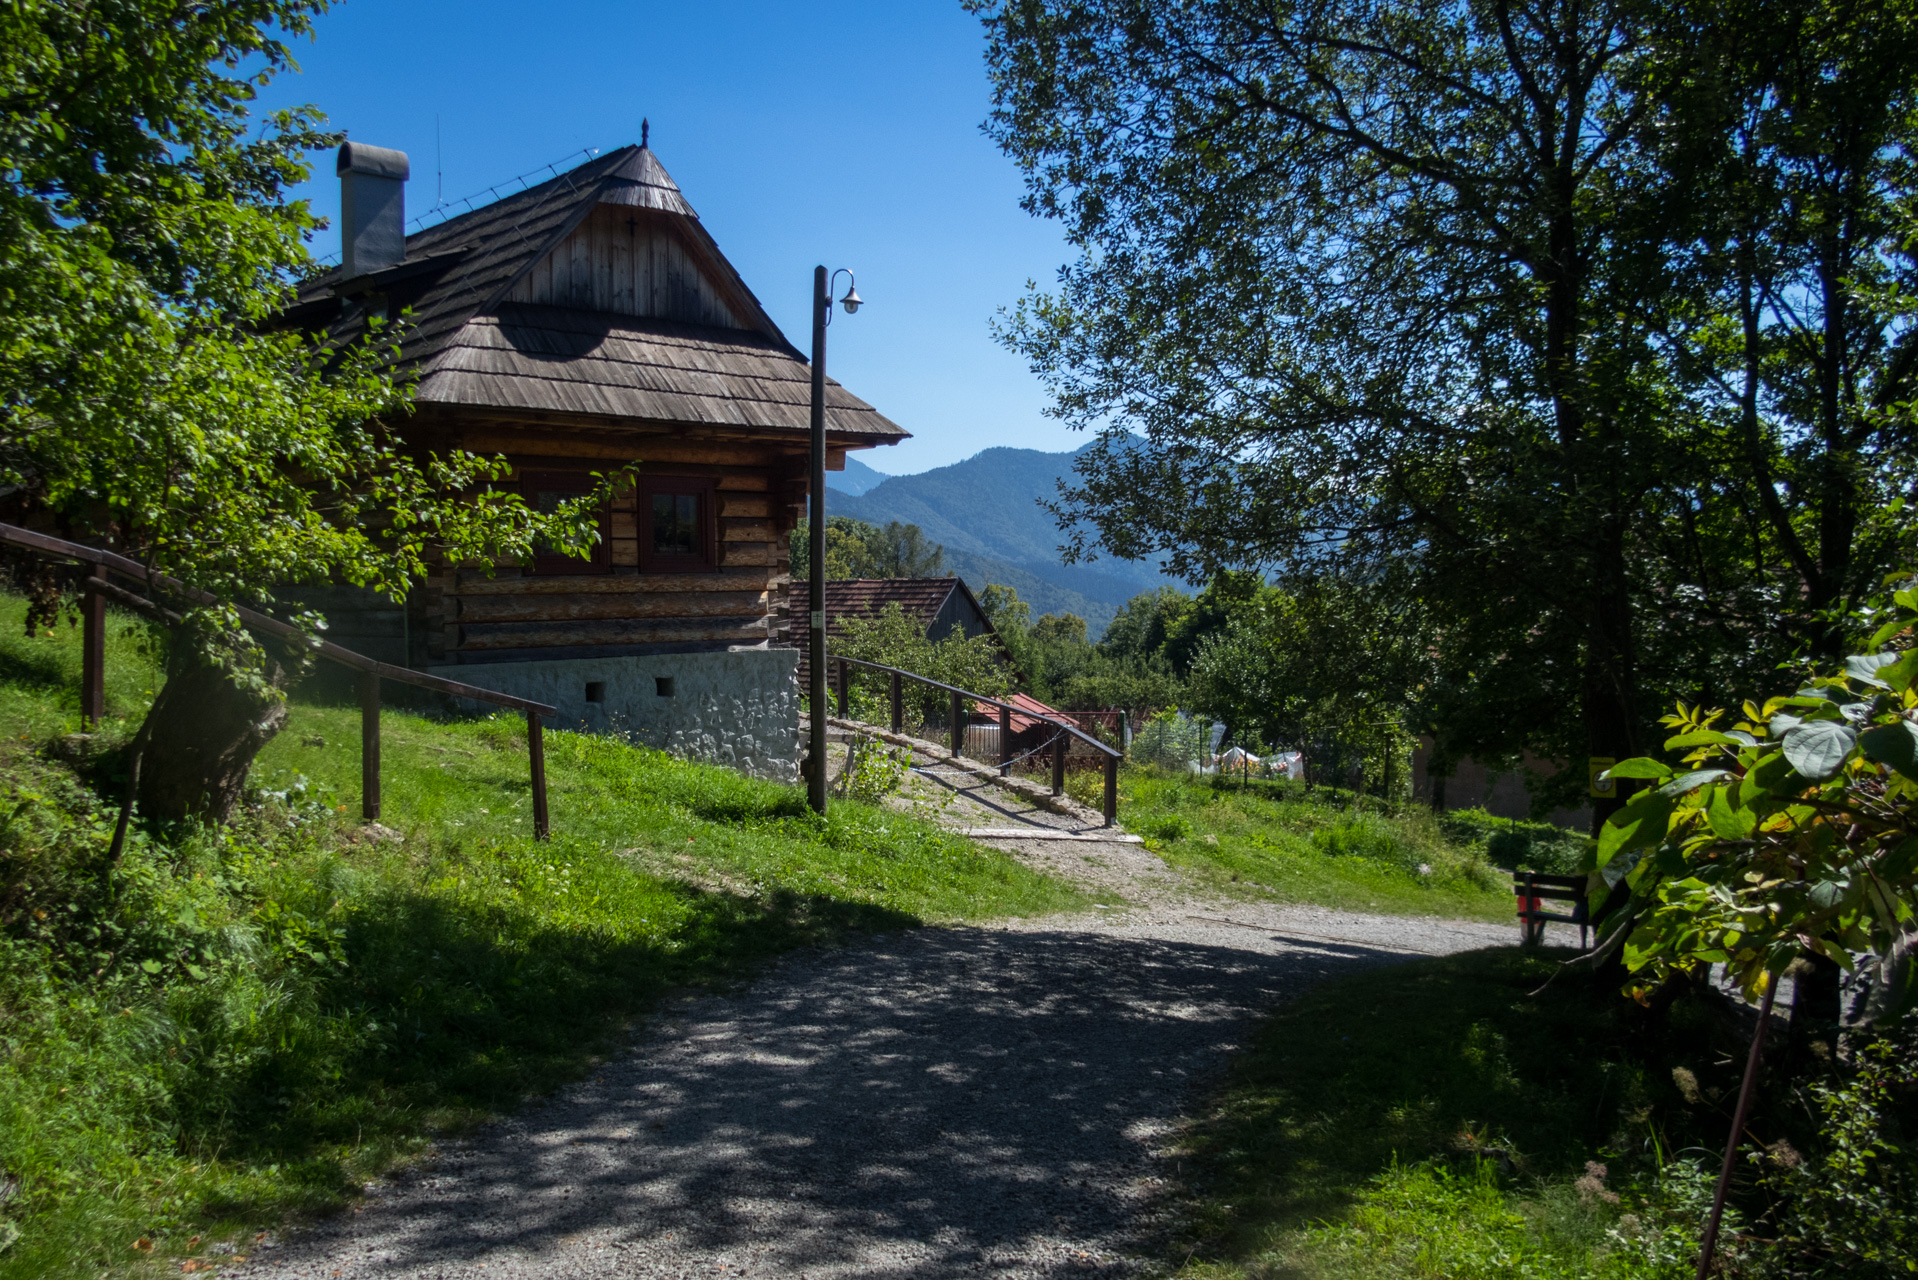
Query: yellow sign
[(1602, 788)]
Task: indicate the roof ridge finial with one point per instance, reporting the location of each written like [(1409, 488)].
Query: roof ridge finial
[(645, 128)]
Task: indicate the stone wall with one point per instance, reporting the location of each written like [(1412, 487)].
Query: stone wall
[(738, 708)]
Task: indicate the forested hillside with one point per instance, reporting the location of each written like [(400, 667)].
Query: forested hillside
[(985, 512)]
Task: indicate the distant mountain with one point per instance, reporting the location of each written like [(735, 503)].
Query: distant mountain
[(856, 479), (985, 511)]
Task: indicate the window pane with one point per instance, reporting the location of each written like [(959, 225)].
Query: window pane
[(675, 524)]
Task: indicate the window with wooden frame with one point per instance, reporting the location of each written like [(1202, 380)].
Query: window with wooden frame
[(544, 491), (678, 525)]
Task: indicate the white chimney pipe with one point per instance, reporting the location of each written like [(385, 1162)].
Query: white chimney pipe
[(372, 208)]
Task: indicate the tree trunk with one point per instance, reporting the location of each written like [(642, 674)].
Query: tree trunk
[(206, 729)]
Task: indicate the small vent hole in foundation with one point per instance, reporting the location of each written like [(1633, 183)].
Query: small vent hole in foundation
[(595, 691), (663, 686)]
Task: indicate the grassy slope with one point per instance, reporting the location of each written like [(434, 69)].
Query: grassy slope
[(1432, 1120), (1280, 842), (231, 1026)]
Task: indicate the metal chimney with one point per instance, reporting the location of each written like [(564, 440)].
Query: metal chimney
[(372, 208)]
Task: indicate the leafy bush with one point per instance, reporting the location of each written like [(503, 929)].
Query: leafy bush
[(1172, 740), (973, 663), (1521, 846), (1850, 1206), (1170, 827), (874, 770)]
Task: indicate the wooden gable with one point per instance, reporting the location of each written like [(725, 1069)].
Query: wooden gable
[(627, 261)]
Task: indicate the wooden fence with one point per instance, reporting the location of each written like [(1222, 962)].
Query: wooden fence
[(839, 670), (99, 590)]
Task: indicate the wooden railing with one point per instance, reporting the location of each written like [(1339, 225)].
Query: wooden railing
[(93, 662), (839, 669)]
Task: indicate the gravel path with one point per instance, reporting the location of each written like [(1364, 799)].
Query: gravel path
[(941, 1102)]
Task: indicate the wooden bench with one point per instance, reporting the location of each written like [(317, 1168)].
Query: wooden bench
[(1533, 890)]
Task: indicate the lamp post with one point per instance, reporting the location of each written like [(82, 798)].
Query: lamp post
[(816, 683)]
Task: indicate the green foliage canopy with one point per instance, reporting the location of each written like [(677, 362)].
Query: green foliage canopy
[(857, 549), (146, 242), (1557, 319)]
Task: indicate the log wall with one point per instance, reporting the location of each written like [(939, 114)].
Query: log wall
[(469, 613)]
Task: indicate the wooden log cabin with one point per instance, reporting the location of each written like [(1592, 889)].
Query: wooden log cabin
[(589, 323)]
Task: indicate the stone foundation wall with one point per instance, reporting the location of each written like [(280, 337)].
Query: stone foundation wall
[(738, 708)]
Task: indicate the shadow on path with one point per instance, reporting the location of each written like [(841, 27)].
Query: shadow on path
[(942, 1102)]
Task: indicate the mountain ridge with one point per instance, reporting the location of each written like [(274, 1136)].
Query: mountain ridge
[(985, 511)]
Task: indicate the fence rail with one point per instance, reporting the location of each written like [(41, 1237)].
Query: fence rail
[(840, 669), (93, 662)]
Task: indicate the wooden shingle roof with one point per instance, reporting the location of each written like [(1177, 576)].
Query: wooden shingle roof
[(918, 598), (469, 345)]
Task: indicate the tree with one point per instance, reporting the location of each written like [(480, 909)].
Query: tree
[(146, 242), (1326, 668), (1797, 117), (857, 549), (1062, 668), (1422, 293), (973, 663)]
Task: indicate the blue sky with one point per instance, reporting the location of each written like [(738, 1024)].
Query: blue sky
[(845, 133)]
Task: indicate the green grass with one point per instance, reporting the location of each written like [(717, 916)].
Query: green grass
[(236, 1026), (1434, 1119), (1281, 842)]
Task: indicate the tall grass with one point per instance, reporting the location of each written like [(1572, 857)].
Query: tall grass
[(1320, 847), (231, 1026), (1440, 1120)]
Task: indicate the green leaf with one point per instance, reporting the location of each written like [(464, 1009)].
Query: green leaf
[(1896, 625), (1640, 823), (1893, 745), (1866, 667), (1729, 821), (1900, 674), (1691, 782), (151, 966), (1640, 767), (1773, 774), (1818, 748), (1705, 738)]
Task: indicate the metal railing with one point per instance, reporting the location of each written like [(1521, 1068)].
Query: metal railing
[(839, 670), (93, 662)]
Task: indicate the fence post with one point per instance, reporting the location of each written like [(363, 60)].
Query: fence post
[(1005, 742), (1059, 762), (958, 729), (369, 746), (1112, 790), (93, 655), (898, 705), (536, 757), (842, 683)]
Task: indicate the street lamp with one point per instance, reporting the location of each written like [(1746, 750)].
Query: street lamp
[(816, 691)]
